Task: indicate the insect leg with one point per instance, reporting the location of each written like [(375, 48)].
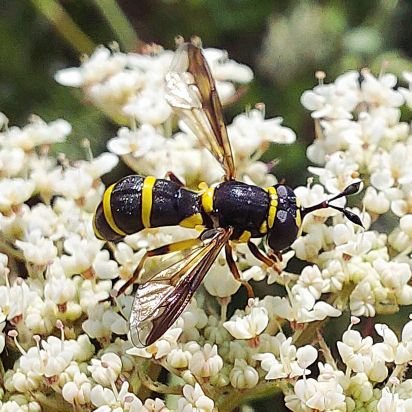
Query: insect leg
[(235, 271), (162, 250), (173, 178), (270, 261)]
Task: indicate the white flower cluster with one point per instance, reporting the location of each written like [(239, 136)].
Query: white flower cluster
[(131, 85), (370, 380), (360, 134), (56, 277)]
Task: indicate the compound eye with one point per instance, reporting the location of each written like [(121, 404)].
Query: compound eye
[(283, 232)]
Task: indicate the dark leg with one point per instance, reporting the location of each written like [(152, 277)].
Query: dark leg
[(162, 250), (270, 261), (173, 178), (235, 271)]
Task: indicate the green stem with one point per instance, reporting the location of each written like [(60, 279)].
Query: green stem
[(53, 402), (119, 23), (152, 385), (65, 25), (10, 251)]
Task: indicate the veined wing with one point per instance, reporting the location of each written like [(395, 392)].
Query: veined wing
[(160, 301), (191, 91)]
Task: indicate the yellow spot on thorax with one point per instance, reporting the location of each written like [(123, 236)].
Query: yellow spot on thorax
[(273, 198)]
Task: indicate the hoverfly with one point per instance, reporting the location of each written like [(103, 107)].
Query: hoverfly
[(230, 211)]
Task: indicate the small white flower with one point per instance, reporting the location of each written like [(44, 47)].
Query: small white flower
[(91, 293), (311, 279), (161, 347), (337, 174), (12, 161), (405, 224), (250, 133), (249, 326), (194, 400), (178, 358), (223, 68), (106, 370), (355, 350), (106, 400), (59, 289), (38, 132), (136, 142), (57, 356), (336, 100), (100, 165), (37, 249), (391, 402), (14, 192), (376, 202), (302, 307), (100, 65), (206, 362), (220, 282), (321, 396), (154, 405), (379, 91), (85, 254), (75, 183), (243, 376), (2, 335), (360, 388), (149, 107), (362, 300), (78, 390), (289, 362), (96, 325)]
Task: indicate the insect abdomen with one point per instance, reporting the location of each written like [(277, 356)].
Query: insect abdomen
[(137, 202)]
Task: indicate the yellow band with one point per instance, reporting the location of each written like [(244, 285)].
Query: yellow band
[(298, 218), (245, 236), (95, 230), (192, 220), (263, 229), (273, 196), (107, 210), (147, 199), (207, 199)]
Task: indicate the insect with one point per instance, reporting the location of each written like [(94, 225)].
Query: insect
[(232, 211)]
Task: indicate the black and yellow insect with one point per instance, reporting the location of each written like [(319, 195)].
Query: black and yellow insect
[(232, 211)]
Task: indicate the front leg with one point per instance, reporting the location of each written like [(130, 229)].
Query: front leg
[(272, 260), (235, 271)]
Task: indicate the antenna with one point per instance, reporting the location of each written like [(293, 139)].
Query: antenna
[(352, 189)]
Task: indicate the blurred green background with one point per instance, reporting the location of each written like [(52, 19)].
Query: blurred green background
[(283, 41)]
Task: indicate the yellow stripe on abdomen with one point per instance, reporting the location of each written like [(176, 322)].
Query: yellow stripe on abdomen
[(147, 199), (107, 210), (95, 230)]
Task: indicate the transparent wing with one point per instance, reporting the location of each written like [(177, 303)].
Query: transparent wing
[(160, 301), (191, 91)]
